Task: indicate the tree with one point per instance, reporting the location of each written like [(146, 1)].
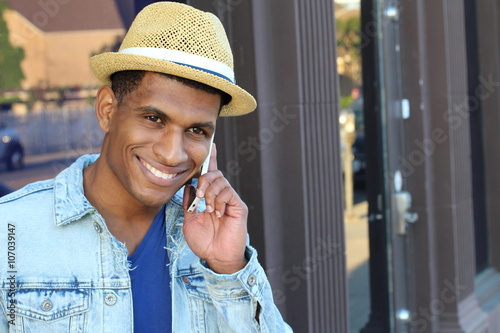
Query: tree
[(11, 73), (349, 46), (349, 35)]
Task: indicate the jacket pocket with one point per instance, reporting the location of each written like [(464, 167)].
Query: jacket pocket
[(51, 310), (196, 286)]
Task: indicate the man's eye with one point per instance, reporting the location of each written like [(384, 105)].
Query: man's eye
[(196, 130), (154, 119)]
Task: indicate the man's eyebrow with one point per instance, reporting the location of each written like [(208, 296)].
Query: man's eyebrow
[(148, 108)]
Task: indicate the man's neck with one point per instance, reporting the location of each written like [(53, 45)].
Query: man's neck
[(126, 218)]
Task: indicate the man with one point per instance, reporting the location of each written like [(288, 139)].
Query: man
[(109, 245)]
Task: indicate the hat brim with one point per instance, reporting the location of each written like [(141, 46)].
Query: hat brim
[(105, 64)]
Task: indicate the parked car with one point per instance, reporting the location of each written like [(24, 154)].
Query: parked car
[(4, 190), (11, 149)]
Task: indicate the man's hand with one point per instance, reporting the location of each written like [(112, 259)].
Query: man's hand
[(217, 235)]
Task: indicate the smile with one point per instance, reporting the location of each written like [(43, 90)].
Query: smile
[(158, 173)]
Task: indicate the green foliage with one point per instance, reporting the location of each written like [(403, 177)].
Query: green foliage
[(9, 100), (349, 36), (345, 102), (11, 73)]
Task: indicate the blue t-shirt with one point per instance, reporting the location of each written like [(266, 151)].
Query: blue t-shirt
[(151, 281)]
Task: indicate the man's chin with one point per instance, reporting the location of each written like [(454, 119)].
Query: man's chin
[(155, 199)]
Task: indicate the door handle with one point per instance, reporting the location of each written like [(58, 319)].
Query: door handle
[(403, 216)]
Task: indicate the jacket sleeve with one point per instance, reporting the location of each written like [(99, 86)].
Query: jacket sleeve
[(244, 299)]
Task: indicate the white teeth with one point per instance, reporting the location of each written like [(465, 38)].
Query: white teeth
[(158, 173)]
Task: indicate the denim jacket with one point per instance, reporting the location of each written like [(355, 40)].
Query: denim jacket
[(61, 270)]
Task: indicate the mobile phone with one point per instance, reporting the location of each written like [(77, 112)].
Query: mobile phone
[(204, 169)]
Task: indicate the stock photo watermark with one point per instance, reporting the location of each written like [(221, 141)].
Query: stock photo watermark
[(249, 148), (293, 277), (47, 10), (91, 141), (12, 272), (421, 318), (225, 6), (454, 117)]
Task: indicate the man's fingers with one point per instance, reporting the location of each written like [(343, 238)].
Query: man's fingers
[(222, 200), (213, 189)]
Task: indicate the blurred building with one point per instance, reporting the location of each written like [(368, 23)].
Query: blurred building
[(59, 36), (431, 78)]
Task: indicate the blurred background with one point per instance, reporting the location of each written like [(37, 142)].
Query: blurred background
[(369, 167)]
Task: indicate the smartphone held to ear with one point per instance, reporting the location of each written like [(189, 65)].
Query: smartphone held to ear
[(204, 169)]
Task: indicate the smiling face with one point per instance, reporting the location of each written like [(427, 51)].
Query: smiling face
[(157, 138)]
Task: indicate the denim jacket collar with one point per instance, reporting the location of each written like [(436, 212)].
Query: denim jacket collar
[(70, 203)]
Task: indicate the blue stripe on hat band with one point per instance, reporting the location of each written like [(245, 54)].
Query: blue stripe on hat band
[(206, 71), (194, 61)]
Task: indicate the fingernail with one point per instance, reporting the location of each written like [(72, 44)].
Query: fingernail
[(217, 213), (199, 193), (210, 209)]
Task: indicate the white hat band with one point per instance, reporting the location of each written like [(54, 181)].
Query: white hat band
[(187, 59)]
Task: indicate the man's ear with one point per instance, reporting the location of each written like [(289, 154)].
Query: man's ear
[(105, 107)]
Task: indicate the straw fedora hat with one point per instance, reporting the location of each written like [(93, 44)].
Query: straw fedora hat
[(177, 39)]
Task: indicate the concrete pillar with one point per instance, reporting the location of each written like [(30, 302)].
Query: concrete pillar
[(285, 158)]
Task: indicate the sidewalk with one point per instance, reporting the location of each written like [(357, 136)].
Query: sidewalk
[(357, 252), (71, 154)]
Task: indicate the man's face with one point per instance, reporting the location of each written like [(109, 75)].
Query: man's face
[(158, 138)]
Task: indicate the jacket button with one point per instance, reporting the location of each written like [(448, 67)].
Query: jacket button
[(46, 305), (185, 279), (97, 227), (110, 299), (252, 280)]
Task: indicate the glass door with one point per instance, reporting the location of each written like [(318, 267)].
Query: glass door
[(389, 204), (396, 202)]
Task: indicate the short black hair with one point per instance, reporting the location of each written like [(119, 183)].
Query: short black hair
[(125, 82)]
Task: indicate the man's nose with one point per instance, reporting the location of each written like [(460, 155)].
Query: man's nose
[(169, 149)]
